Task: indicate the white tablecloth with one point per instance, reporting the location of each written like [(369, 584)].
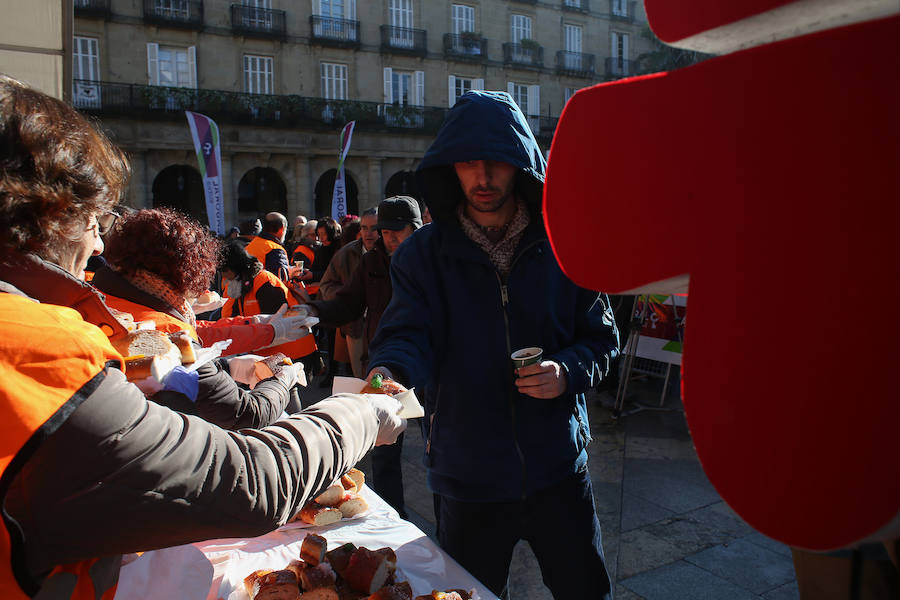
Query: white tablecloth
[(215, 569)]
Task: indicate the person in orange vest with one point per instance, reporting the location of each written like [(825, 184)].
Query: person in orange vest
[(268, 246), (89, 468), (159, 261), (252, 290)]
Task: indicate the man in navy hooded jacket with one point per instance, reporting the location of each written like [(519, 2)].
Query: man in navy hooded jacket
[(505, 451)]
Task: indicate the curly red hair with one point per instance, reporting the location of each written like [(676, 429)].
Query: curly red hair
[(166, 243)]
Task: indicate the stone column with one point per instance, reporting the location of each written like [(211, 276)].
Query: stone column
[(376, 186), (303, 202), (229, 193)]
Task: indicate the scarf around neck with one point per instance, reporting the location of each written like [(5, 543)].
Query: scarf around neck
[(501, 251), (155, 285)]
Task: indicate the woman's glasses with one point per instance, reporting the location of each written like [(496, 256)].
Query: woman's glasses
[(106, 221)]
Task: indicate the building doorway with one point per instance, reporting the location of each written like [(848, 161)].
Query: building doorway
[(325, 189), (181, 187), (260, 191), (402, 183)]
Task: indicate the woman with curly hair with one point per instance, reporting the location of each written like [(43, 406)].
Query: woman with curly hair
[(90, 469), (159, 262)]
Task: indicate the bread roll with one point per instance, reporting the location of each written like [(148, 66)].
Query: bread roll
[(272, 585), (397, 591), (185, 345), (331, 496), (313, 548), (147, 352), (270, 365), (316, 514), (352, 505), (339, 558), (319, 576), (382, 385), (367, 571), (208, 297), (358, 477)]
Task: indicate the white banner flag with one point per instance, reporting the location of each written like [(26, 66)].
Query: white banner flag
[(206, 143), (339, 197)]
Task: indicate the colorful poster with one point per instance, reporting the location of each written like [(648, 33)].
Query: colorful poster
[(339, 197), (205, 133), (662, 337)]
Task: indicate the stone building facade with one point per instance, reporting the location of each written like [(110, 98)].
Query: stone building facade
[(282, 77)]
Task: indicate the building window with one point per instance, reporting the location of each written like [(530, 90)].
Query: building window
[(457, 86), (573, 38), (568, 93), (334, 81), (528, 97), (173, 9), (258, 74), (86, 59), (520, 28), (462, 18), (401, 14), (619, 51), (86, 69), (619, 8), (171, 66), (336, 9), (258, 15), (403, 89), (573, 3)]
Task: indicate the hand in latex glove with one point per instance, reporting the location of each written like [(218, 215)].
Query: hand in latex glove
[(184, 382), (288, 328), (390, 426), (242, 369)]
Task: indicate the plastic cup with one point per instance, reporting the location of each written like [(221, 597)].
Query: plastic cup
[(526, 356)]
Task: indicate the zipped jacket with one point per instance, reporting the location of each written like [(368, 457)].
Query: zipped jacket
[(453, 322)]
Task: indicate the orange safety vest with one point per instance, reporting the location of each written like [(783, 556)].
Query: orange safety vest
[(164, 321), (248, 306), (49, 359), (305, 251), (260, 247)]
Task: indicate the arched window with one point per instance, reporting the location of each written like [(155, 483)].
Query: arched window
[(325, 190), (260, 191), (181, 187)]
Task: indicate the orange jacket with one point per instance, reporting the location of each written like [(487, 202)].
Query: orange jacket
[(267, 252), (248, 305), (48, 356)]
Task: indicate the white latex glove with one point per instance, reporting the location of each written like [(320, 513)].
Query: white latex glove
[(390, 426), (242, 369), (264, 319)]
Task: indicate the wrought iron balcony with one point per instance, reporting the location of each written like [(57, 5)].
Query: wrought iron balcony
[(92, 8), (329, 31), (576, 5), (622, 10), (524, 55), (169, 103), (575, 63), (619, 67), (186, 14), (258, 22), (525, 1), (403, 40), (465, 46)]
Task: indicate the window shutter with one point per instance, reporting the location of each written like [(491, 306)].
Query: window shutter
[(624, 46), (478, 84), (388, 91), (419, 98), (316, 7), (613, 44), (350, 10), (153, 63), (451, 87), (192, 64), (509, 88), (534, 100)]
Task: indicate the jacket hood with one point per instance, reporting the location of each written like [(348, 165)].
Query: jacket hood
[(481, 126)]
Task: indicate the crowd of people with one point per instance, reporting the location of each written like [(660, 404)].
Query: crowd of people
[(95, 466)]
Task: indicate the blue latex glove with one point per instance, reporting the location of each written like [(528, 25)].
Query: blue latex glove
[(184, 382)]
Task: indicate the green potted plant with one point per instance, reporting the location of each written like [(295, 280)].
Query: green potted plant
[(529, 44)]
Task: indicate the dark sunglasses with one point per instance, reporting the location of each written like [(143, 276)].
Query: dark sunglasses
[(106, 221)]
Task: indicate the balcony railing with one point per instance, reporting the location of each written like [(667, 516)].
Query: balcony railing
[(403, 40), (526, 1), (622, 10), (577, 5), (620, 67), (335, 32), (465, 46), (92, 8), (523, 55), (174, 13), (575, 63), (260, 22)]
